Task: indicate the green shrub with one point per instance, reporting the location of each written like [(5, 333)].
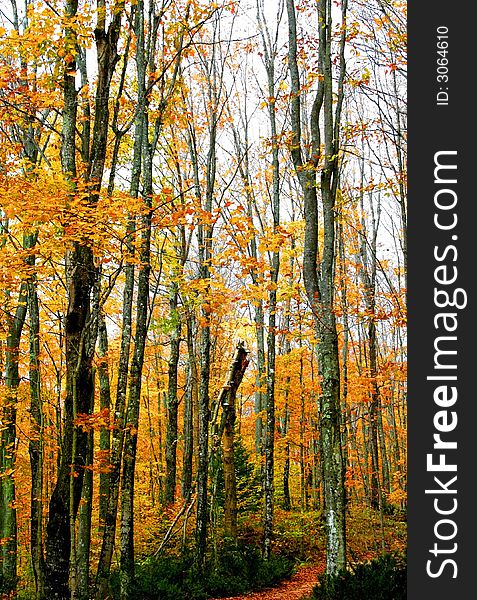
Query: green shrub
[(6, 586), (381, 579), (235, 570), (247, 479)]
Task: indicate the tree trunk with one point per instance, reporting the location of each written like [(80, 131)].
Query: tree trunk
[(36, 444), (78, 325), (8, 518), (285, 421), (230, 482), (81, 564), (242, 150), (303, 494), (172, 399), (227, 400), (205, 232), (132, 416), (319, 279), (385, 469), (105, 432), (65, 497), (84, 527), (270, 51), (191, 389), (66, 494), (368, 277), (203, 463), (260, 381), (346, 409), (118, 419)]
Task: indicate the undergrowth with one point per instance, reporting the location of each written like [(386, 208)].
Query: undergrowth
[(234, 570), (383, 578)]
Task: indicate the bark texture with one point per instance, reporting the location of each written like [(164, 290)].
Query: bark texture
[(322, 160)]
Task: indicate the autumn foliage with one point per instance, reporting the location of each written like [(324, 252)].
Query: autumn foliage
[(152, 234)]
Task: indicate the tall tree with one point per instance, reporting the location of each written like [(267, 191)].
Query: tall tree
[(8, 520), (323, 159), (131, 422), (212, 67), (270, 46), (25, 131), (81, 274), (149, 126), (36, 446), (172, 398)]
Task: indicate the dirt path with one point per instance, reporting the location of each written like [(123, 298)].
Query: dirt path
[(295, 588)]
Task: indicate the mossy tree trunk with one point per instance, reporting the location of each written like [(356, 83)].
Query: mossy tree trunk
[(227, 400), (317, 166)]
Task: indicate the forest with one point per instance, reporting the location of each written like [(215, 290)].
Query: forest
[(203, 298)]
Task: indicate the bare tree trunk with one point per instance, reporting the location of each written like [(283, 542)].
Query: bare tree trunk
[(269, 51), (260, 382), (385, 468), (132, 414), (105, 432), (82, 591), (319, 279), (205, 232), (83, 536), (242, 150), (172, 399), (230, 483), (65, 497), (346, 410), (303, 494), (8, 518), (81, 274), (203, 463), (285, 420), (366, 469), (368, 277), (119, 420), (190, 391), (36, 443), (126, 569)]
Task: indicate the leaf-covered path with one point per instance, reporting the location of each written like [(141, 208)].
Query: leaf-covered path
[(300, 585)]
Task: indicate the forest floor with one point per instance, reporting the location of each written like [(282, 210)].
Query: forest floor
[(302, 534), (299, 586)]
